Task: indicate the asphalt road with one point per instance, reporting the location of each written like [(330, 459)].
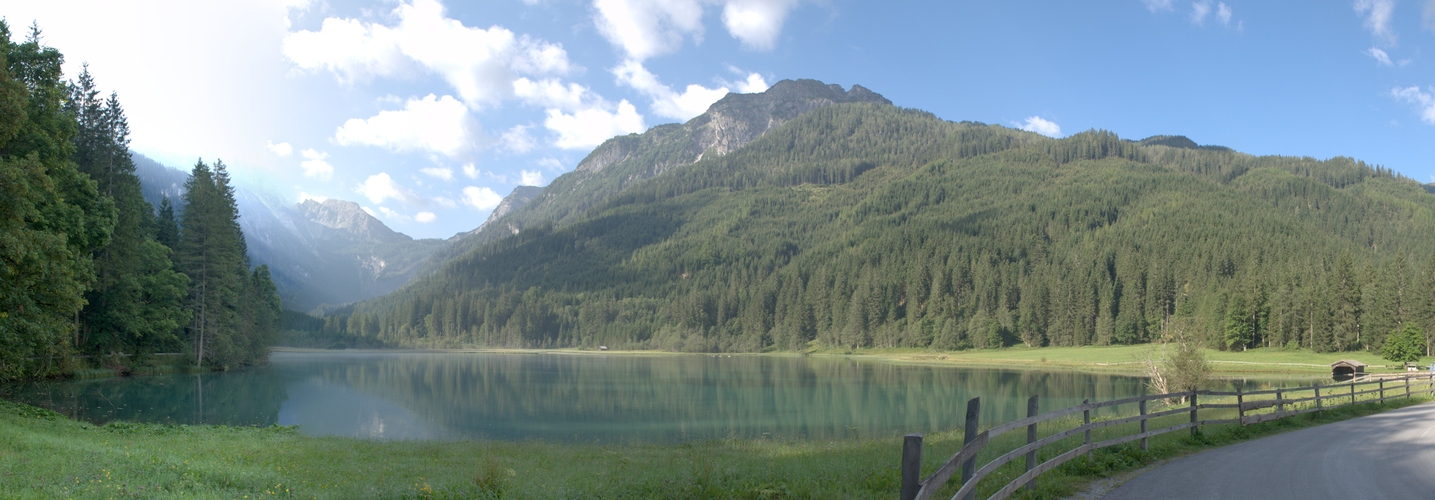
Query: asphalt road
[(1389, 455)]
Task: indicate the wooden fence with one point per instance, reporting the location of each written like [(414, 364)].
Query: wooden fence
[(1240, 407)]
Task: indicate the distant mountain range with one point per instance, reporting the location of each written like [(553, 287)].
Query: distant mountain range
[(321, 254)]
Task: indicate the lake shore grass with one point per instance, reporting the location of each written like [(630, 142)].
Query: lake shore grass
[(46, 455), (1124, 359)]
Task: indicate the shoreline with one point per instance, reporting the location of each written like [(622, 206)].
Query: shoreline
[(1091, 359)]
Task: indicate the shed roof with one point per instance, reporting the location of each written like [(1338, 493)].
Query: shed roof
[(1347, 362)]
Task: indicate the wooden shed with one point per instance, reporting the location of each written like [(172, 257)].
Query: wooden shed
[(1347, 367)]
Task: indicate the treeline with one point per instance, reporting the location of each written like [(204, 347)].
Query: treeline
[(864, 225), (87, 267)]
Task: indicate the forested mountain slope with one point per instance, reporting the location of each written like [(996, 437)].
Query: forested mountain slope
[(624, 161), (863, 224)]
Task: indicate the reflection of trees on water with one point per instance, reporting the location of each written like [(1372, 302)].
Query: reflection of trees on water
[(580, 397), (689, 397), (247, 397)]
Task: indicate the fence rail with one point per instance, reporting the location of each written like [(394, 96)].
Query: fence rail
[(1249, 408)]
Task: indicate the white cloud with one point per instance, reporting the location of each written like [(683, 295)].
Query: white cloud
[(518, 140), (530, 178), (1041, 126), (425, 217), (1155, 5), (392, 214), (1428, 16), (756, 23), (1199, 11), (481, 198), (753, 84), (1377, 14), (551, 164), (470, 171), (439, 125), (590, 127), (1424, 101), (314, 165), (479, 64), (303, 197), (694, 100), (550, 93), (369, 211), (282, 149), (647, 28), (380, 187), (438, 173), (1380, 56), (1223, 13), (445, 202)]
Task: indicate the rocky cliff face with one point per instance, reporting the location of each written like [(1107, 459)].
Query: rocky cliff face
[(736, 120)]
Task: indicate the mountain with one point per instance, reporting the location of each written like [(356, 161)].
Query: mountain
[(515, 200), (158, 181), (862, 224), (624, 161), (320, 254)]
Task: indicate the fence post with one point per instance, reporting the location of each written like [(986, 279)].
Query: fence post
[(1352, 392), (1142, 405), (1240, 407), (1031, 405), (1086, 423), (1382, 392), (1407, 387), (1280, 404), (974, 409), (1318, 406), (911, 466), (1193, 414)]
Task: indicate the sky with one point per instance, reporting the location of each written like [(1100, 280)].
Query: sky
[(428, 112)]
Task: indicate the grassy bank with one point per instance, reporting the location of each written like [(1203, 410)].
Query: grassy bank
[(1125, 359), (44, 455)]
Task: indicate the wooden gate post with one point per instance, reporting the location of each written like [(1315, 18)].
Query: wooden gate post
[(1352, 391), (1407, 387), (1280, 405), (1142, 405), (1086, 423), (974, 409), (1031, 405), (1318, 407), (1193, 414), (1240, 407), (911, 466), (1382, 392)]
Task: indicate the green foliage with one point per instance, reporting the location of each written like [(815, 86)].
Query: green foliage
[(51, 215), (1404, 345), (84, 266), (236, 313)]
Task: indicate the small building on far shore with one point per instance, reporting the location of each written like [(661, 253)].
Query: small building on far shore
[(1346, 367)]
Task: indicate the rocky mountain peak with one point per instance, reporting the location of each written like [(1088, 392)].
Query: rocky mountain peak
[(738, 119), (350, 219)]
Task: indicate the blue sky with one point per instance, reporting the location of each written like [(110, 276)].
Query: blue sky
[(427, 112)]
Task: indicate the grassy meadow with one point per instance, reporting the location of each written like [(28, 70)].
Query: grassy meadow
[(45, 455)]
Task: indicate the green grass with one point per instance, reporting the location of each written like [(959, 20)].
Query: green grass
[(1125, 359), (45, 455)]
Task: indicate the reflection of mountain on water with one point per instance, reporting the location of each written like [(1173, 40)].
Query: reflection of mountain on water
[(323, 408), (684, 398)]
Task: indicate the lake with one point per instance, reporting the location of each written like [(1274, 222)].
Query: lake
[(576, 397)]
